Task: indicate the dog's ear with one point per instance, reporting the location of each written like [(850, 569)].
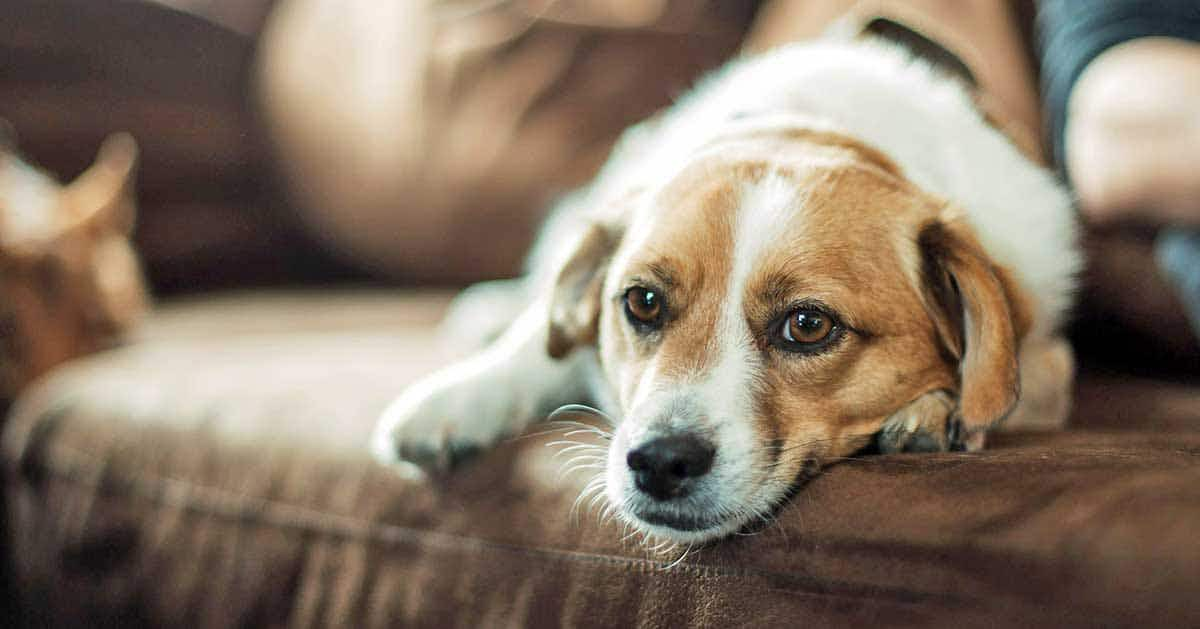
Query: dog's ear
[(979, 317), (102, 198), (577, 294)]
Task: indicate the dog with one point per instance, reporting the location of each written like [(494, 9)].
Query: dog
[(820, 249)]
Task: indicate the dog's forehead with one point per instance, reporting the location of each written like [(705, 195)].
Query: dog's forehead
[(828, 214)]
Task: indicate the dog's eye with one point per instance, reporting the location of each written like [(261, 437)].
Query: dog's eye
[(643, 306), (806, 330), (806, 326)]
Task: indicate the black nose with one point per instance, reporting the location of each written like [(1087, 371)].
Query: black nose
[(664, 467)]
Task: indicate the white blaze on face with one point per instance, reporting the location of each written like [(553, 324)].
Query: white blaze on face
[(728, 390), (719, 402)]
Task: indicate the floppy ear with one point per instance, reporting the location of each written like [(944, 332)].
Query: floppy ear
[(978, 317), (576, 297)]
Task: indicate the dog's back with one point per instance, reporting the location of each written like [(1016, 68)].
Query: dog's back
[(923, 120)]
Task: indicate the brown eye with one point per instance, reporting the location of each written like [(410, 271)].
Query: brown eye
[(643, 306), (806, 330), (806, 326)]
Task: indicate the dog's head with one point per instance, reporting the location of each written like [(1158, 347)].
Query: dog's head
[(765, 311)]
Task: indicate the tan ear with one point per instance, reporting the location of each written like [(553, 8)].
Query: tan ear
[(978, 319), (102, 198), (577, 294)]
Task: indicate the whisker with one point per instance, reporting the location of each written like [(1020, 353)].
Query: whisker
[(607, 513), (665, 546), (586, 461), (582, 431), (566, 458), (557, 426), (681, 557), (579, 468), (592, 502), (574, 410), (572, 446), (593, 486), (585, 455)]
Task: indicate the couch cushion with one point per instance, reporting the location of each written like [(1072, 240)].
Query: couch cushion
[(215, 474)]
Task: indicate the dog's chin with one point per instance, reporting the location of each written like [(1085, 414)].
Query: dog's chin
[(680, 528)]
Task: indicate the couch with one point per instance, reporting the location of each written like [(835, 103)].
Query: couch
[(213, 471)]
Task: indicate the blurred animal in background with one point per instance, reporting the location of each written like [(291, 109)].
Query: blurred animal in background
[(70, 282)]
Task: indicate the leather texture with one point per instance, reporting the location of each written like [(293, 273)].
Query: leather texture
[(215, 474)]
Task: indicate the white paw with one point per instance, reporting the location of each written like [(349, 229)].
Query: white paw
[(444, 420)]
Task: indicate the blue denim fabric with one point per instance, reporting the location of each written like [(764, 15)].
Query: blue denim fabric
[(1072, 33), (1177, 252)]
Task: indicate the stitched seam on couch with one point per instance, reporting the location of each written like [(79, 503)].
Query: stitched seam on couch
[(83, 470)]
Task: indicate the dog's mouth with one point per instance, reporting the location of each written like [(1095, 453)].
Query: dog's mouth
[(682, 528), (654, 491), (688, 523), (706, 519)]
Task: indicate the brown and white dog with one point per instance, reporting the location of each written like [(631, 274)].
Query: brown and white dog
[(821, 248)]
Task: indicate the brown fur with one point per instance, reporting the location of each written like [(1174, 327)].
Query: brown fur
[(858, 247), (984, 331), (575, 305), (76, 288)]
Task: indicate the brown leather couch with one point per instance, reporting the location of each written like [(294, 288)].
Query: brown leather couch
[(214, 473)]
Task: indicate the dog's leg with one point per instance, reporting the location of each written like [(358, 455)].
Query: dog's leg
[(443, 419), (926, 425), (463, 331)]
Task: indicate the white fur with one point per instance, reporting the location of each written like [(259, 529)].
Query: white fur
[(478, 401), (924, 122), (721, 398), (728, 389)]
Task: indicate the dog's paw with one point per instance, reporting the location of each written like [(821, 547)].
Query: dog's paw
[(441, 422), (927, 424)]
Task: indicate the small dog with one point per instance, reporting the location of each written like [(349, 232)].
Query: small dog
[(821, 248)]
